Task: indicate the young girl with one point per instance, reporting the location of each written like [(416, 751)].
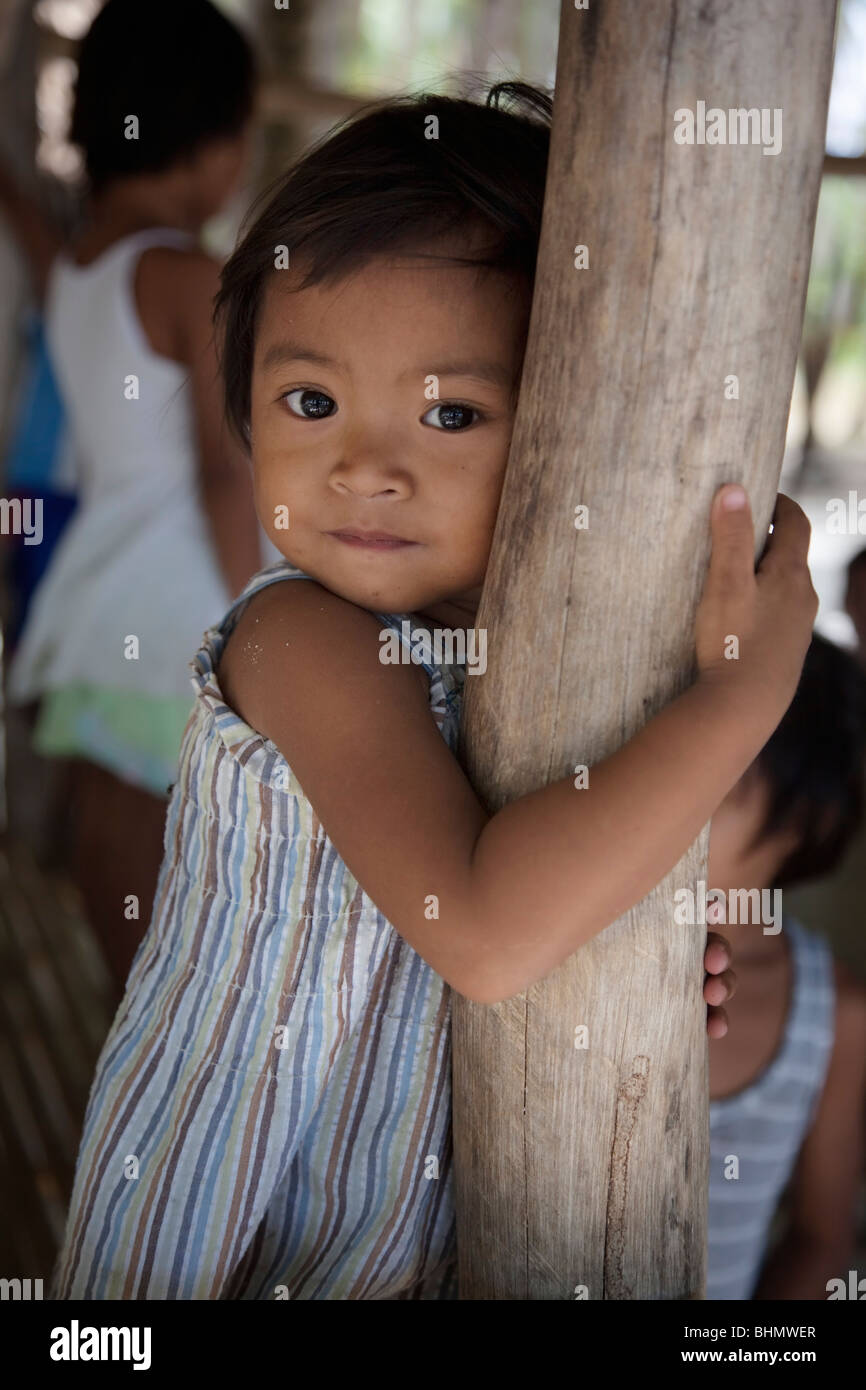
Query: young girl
[(165, 531), (275, 1085), (787, 1088)]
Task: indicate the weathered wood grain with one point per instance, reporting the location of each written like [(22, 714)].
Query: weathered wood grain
[(589, 1167)]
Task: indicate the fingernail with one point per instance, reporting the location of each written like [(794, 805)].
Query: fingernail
[(733, 499)]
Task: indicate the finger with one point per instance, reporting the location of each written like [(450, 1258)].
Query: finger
[(717, 1023), (718, 954), (732, 559), (718, 988)]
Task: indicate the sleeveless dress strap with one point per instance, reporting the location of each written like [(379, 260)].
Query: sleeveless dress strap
[(271, 574), (412, 636), (260, 758)]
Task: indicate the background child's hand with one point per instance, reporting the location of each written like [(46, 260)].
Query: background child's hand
[(770, 612), (719, 985)]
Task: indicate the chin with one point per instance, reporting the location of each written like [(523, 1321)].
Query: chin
[(380, 593)]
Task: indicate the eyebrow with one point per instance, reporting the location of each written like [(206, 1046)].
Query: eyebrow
[(278, 354)]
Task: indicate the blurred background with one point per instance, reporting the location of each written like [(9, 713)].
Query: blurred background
[(55, 997)]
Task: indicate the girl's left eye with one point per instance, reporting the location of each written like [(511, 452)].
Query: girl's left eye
[(455, 417), (313, 405)]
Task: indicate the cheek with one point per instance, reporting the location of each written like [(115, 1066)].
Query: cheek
[(268, 447), (470, 518), (276, 442), (262, 499), (476, 490), (283, 489), (276, 506), (270, 474), (272, 493), (487, 505)]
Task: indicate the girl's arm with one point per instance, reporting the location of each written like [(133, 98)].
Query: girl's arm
[(820, 1241), (225, 481), (35, 235), (496, 903)]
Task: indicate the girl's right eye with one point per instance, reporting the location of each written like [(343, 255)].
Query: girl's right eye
[(313, 405)]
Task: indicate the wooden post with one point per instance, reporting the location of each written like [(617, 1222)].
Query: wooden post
[(656, 373)]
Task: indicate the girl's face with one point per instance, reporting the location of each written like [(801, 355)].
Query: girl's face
[(734, 861), (383, 404)]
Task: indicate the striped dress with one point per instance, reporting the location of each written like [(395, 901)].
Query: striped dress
[(271, 1113), (765, 1124)]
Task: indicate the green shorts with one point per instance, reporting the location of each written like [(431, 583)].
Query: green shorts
[(137, 737)]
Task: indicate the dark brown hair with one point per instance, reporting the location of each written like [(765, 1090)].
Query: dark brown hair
[(815, 764), (180, 66), (377, 184)]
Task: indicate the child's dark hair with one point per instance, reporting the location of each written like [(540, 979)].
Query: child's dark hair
[(180, 66), (378, 183), (815, 763)]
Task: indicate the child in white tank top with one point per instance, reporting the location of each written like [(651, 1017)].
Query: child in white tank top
[(165, 532), (787, 1082)]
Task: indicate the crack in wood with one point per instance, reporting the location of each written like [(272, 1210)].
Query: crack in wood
[(631, 1091)]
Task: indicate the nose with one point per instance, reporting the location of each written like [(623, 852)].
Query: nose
[(370, 477)]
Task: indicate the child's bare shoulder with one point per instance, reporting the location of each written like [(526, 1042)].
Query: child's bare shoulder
[(297, 642)]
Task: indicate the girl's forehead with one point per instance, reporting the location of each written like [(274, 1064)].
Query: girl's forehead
[(397, 295), (376, 340)]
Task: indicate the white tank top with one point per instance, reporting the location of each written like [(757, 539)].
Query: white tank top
[(137, 559), (765, 1125)]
